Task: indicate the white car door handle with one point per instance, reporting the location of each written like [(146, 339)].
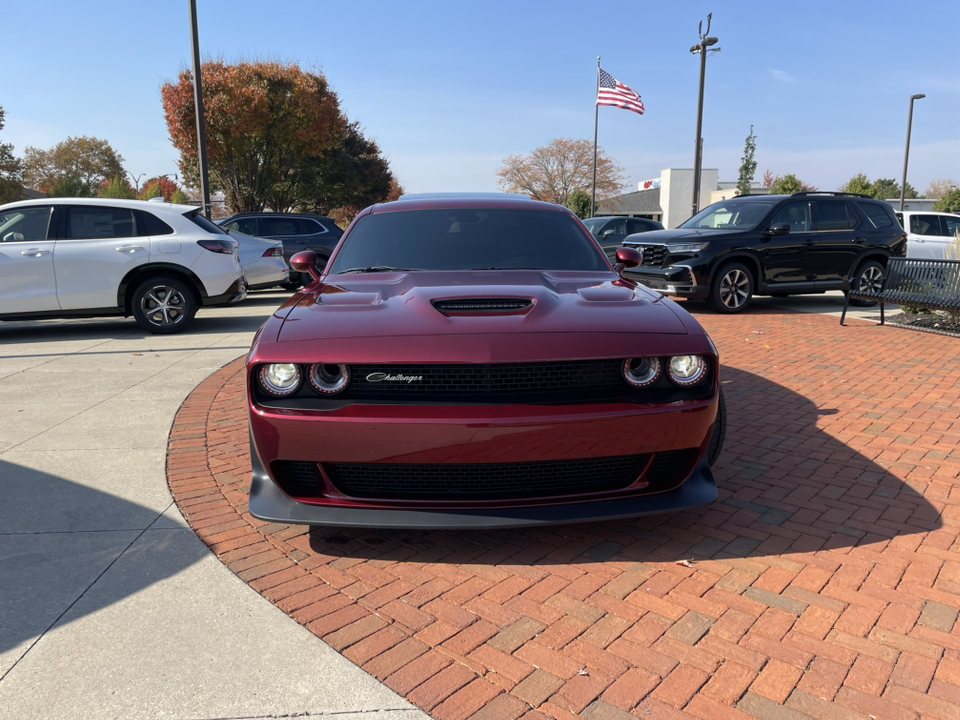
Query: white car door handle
[(129, 248), (34, 252)]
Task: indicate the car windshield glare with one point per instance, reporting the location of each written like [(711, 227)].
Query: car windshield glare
[(739, 214), (468, 239)]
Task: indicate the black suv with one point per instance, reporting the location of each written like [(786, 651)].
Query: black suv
[(296, 231), (779, 245), (610, 232)]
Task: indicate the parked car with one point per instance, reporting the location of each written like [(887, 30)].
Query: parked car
[(929, 234), (297, 232), (262, 261), (91, 257), (780, 245), (612, 231), (473, 360)]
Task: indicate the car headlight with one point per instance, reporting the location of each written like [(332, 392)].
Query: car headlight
[(329, 379), (686, 370), (641, 372), (686, 248), (280, 379)]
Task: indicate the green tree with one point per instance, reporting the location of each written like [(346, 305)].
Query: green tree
[(787, 185), (11, 171), (179, 198), (262, 120), (77, 162), (748, 166), (950, 202), (938, 188), (579, 202), (118, 188), (888, 188), (552, 172), (69, 186), (859, 184)]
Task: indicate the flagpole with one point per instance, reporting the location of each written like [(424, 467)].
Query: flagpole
[(596, 120)]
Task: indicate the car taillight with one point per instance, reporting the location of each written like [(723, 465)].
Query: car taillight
[(226, 247), (273, 252)]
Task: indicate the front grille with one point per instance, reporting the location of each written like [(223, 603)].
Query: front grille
[(470, 306), (487, 382), (486, 481), (653, 255)]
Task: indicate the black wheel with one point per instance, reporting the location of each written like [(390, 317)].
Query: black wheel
[(732, 289), (163, 305), (869, 276), (719, 432)]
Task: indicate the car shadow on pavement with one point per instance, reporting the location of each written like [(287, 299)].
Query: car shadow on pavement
[(67, 550), (786, 483)]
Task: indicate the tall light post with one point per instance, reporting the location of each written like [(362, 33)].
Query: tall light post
[(198, 104), (906, 152), (701, 49), (136, 180)]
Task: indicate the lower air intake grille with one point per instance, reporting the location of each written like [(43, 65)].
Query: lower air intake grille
[(653, 283), (298, 479), (669, 469), (486, 482)]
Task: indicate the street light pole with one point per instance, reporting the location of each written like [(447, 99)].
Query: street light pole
[(701, 48), (906, 152), (198, 105), (136, 180)]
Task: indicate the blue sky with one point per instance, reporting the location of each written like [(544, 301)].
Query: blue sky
[(449, 89)]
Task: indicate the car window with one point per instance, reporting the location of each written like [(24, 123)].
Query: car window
[(279, 226), (196, 218), (464, 239), (247, 226), (951, 225), (150, 224), (879, 216), (309, 226), (593, 224), (25, 224), (636, 225), (99, 223), (833, 215), (795, 214), (741, 214), (615, 227), (925, 225)]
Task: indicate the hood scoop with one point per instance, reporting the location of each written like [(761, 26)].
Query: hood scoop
[(484, 306)]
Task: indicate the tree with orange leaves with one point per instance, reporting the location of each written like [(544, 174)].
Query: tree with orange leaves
[(262, 119)]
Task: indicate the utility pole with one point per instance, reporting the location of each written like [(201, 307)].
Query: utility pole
[(906, 152), (701, 49), (198, 104)]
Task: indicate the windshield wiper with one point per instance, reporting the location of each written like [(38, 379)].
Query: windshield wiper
[(376, 268)]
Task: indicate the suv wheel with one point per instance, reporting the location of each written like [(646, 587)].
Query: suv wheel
[(163, 305), (732, 289), (719, 432), (869, 276)]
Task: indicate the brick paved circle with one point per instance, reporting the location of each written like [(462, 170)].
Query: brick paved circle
[(825, 582)]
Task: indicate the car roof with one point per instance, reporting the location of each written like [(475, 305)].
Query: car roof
[(156, 207), (927, 212), (465, 201), (270, 213)]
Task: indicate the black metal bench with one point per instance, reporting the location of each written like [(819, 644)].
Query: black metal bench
[(930, 284)]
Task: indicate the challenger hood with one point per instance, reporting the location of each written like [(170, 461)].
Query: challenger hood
[(480, 302)]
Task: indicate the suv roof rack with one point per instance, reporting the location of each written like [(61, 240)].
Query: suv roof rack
[(833, 192)]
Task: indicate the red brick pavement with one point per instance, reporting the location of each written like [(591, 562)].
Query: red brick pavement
[(824, 583)]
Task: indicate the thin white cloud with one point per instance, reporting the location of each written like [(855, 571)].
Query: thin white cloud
[(782, 76)]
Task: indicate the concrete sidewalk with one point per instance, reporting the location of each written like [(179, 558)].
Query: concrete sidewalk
[(110, 606)]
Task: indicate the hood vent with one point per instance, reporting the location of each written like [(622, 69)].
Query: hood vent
[(484, 306)]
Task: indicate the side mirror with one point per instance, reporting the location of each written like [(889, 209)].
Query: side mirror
[(778, 229), (305, 261), (627, 257), (608, 232)]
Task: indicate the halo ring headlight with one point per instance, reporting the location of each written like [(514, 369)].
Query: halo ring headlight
[(641, 372), (329, 379), (687, 370), (280, 379)]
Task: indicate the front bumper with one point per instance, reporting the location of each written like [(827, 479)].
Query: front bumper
[(480, 435), (675, 280)]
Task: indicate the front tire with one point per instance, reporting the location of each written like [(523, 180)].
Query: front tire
[(869, 276), (719, 432), (163, 305), (732, 289)]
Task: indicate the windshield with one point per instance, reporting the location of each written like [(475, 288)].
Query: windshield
[(593, 224), (467, 240), (741, 214)]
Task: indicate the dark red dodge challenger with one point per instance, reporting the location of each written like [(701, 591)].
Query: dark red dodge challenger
[(474, 361)]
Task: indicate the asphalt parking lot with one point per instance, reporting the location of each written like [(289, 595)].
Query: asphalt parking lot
[(824, 581)]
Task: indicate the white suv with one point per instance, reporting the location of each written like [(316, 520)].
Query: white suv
[(929, 233), (90, 257)]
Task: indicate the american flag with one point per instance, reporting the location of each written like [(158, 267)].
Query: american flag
[(617, 94)]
